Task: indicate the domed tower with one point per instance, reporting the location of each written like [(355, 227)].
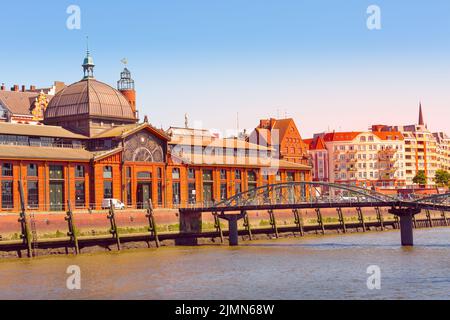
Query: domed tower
[(126, 86), (89, 107)]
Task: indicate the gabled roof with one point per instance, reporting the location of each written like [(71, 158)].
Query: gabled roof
[(127, 130), (44, 153), (37, 130), (389, 135), (229, 143), (350, 136), (282, 126), (340, 136), (316, 143), (18, 102)]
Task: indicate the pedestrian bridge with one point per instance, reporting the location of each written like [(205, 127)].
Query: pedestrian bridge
[(318, 195)]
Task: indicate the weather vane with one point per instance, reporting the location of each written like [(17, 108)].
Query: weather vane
[(124, 61)]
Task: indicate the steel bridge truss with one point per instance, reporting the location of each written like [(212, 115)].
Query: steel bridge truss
[(304, 192)]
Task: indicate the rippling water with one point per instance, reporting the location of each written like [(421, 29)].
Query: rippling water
[(331, 267)]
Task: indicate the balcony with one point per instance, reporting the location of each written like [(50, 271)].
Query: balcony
[(387, 151)]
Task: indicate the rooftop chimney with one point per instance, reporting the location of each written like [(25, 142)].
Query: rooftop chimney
[(23, 88), (2, 87), (15, 88), (32, 88)]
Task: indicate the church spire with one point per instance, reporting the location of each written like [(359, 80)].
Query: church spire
[(88, 63), (421, 120)]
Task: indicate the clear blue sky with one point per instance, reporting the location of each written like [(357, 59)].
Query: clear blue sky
[(313, 60)]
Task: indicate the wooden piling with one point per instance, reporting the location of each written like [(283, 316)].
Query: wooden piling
[(298, 219), (218, 226), (114, 231), (397, 222), (320, 220), (361, 219), (380, 218), (247, 225), (72, 229), (25, 231), (273, 223), (341, 220), (444, 216), (152, 228), (429, 219), (415, 222)]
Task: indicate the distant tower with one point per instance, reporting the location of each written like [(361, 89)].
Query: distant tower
[(421, 119), (126, 86)]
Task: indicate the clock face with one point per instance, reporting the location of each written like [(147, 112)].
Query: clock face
[(143, 147)]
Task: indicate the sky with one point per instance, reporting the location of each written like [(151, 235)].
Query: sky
[(219, 61)]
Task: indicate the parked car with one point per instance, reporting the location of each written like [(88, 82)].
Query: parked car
[(119, 205)]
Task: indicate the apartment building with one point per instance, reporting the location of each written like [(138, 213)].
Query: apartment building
[(366, 159), (319, 158), (443, 150), (421, 149)]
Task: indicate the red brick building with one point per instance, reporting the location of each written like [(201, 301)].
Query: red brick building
[(92, 147), (284, 137)]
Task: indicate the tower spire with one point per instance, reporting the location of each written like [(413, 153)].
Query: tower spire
[(88, 63), (421, 120)]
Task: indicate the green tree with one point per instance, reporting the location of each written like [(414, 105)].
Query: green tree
[(442, 178), (420, 178)]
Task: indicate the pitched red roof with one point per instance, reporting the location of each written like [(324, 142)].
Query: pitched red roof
[(340, 136), (316, 143), (349, 136)]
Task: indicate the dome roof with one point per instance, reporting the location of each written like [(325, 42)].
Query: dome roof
[(91, 98)]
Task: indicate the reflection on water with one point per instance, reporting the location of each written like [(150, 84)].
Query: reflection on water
[(332, 267)]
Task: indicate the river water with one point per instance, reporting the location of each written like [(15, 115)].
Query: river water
[(330, 267)]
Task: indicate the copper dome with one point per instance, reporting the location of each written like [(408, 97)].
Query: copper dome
[(90, 98)]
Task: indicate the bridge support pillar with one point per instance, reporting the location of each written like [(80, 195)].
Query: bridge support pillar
[(406, 224), (233, 231)]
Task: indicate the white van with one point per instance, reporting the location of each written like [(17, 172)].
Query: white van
[(119, 205)]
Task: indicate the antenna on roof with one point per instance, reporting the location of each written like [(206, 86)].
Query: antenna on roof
[(186, 122)]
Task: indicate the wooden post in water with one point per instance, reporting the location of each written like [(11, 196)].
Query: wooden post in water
[(396, 223), (298, 219), (72, 229), (341, 220), (218, 226), (444, 216), (430, 221), (112, 218), (25, 232), (320, 220), (361, 219), (247, 225), (152, 228), (273, 223), (380, 218)]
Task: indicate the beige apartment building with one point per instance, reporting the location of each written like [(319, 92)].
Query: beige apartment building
[(366, 159), (443, 150)]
